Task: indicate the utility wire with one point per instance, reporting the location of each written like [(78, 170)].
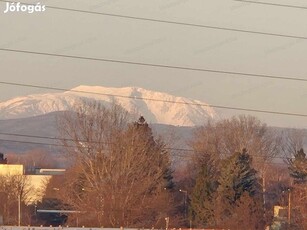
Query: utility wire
[(254, 75), (45, 137), (169, 22), (92, 142), (185, 158), (72, 146), (36, 143), (159, 100), (272, 4), (39, 137)]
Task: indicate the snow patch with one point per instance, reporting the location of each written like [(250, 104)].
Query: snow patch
[(157, 109)]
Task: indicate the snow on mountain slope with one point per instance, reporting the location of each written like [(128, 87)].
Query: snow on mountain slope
[(155, 111)]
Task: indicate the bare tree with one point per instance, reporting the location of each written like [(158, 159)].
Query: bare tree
[(294, 140), (119, 169), (13, 189), (226, 137)]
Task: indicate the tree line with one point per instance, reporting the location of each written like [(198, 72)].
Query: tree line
[(121, 174)]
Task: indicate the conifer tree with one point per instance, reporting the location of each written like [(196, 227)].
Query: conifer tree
[(237, 177), (298, 167), (144, 137), (202, 199)]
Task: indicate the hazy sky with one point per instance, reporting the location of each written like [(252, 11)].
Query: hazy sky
[(100, 36)]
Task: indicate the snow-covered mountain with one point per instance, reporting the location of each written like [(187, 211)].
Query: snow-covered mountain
[(152, 105)]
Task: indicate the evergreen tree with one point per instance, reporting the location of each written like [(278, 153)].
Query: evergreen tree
[(237, 177), (202, 199), (298, 167), (156, 183), (146, 140)]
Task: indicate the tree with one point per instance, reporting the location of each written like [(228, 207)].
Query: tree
[(298, 171), (293, 141), (246, 214), (223, 138), (299, 205), (203, 195), (118, 168), (298, 167), (13, 188), (142, 133), (238, 185)]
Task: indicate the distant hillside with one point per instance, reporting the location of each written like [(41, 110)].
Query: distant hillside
[(153, 105), (45, 126)]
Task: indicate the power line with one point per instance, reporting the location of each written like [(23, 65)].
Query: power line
[(188, 158), (32, 142), (69, 139), (169, 22), (96, 142), (58, 145), (157, 65), (65, 139), (159, 100), (191, 150), (272, 4), (32, 136), (42, 137)]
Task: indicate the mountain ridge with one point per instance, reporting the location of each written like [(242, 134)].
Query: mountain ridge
[(157, 107)]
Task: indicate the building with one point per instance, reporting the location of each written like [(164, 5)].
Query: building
[(36, 178), (11, 170)]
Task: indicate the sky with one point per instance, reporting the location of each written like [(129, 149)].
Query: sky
[(98, 36)]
